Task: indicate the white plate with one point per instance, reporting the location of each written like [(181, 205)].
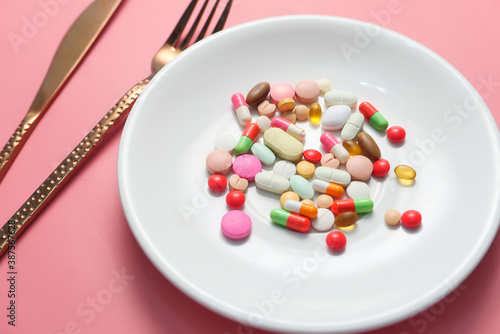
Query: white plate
[(281, 280)]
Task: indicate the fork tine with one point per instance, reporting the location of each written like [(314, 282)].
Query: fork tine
[(176, 33), (186, 40), (223, 18), (207, 23)]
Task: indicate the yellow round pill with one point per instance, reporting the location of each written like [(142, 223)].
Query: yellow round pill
[(287, 104), (305, 169), (288, 195)]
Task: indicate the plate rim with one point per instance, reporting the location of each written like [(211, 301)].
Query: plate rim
[(197, 294)]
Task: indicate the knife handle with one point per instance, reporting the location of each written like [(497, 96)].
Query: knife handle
[(68, 167), (73, 47), (13, 146)]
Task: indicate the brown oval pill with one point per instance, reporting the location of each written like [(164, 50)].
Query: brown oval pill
[(346, 219), (368, 146), (258, 93)]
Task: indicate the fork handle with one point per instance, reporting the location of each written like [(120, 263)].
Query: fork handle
[(68, 167)]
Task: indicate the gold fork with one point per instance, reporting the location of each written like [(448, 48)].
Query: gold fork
[(68, 167)]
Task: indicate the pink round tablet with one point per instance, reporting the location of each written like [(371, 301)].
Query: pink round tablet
[(219, 162), (360, 167), (307, 91), (236, 224), (247, 166), (280, 91)]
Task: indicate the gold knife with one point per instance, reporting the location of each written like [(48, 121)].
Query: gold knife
[(75, 44)]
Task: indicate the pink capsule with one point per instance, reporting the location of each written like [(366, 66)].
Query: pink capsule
[(241, 108), (332, 145), (287, 126)]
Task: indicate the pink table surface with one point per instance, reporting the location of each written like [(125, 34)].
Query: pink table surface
[(81, 247)]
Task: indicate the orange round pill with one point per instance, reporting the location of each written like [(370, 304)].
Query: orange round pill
[(306, 169), (324, 201)]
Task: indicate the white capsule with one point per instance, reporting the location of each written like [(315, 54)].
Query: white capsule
[(243, 115), (319, 185), (296, 131), (335, 117), (241, 109), (353, 126), (272, 182), (303, 209), (340, 153), (333, 175), (334, 97)]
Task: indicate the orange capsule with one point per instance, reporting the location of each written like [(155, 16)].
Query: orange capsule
[(303, 209), (329, 188)]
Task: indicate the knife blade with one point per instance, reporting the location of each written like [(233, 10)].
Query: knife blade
[(73, 47)]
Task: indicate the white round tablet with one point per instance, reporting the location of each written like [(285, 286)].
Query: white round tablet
[(358, 189), (324, 221), (225, 142), (285, 168), (263, 122)]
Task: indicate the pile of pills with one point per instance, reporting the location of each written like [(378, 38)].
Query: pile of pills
[(316, 190)]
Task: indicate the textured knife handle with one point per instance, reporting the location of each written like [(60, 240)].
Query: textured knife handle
[(63, 173), (14, 145)]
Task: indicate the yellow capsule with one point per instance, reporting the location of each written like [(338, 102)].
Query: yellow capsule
[(288, 195), (315, 113), (405, 172), (352, 147)]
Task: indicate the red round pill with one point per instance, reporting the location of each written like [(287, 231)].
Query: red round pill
[(396, 134), (381, 167), (312, 155), (235, 199), (336, 241), (217, 182), (411, 218)]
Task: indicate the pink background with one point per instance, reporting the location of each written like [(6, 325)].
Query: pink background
[(81, 241)]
